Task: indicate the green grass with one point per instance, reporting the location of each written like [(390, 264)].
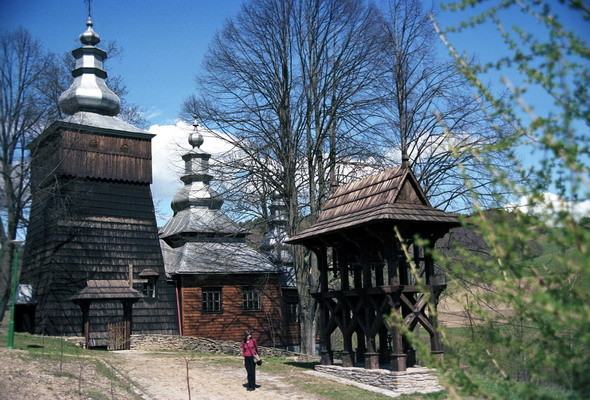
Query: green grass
[(487, 375), (292, 372), (60, 353), (501, 389), (56, 350), (45, 346), (95, 395)]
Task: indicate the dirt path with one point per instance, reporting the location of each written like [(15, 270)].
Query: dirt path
[(163, 376), (150, 375)]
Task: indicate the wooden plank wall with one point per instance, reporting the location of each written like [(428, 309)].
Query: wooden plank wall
[(292, 330), (266, 325), (91, 155)]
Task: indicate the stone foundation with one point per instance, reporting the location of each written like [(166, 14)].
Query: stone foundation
[(207, 346), (413, 380)]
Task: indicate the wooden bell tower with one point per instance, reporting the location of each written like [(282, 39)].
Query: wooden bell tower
[(92, 214), (359, 242)]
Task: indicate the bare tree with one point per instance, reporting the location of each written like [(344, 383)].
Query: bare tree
[(337, 56), (22, 61), (418, 92), (288, 81), (249, 90)]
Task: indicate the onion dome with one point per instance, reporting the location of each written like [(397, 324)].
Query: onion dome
[(200, 239), (89, 91), (197, 206), (196, 191)]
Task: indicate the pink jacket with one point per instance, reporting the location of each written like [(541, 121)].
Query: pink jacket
[(249, 348)]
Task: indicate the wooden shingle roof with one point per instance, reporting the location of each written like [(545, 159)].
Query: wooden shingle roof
[(392, 195), (107, 290)]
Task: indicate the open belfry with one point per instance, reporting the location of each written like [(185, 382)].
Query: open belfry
[(92, 222), (365, 235)]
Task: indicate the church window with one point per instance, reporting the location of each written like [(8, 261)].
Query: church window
[(251, 299), (292, 314), (149, 287), (211, 300)]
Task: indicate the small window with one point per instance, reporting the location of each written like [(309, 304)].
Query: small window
[(149, 279), (251, 299), (124, 148), (292, 314), (211, 300), (149, 287), (93, 144)]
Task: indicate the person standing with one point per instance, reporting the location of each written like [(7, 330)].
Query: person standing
[(249, 349)]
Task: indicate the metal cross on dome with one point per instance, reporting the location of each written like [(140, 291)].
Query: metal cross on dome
[(89, 3)]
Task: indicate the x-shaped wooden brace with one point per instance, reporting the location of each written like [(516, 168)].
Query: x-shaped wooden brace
[(417, 313)]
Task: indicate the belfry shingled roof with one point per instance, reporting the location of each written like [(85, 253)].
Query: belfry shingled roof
[(392, 195)]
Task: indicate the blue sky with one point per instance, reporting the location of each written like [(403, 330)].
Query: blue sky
[(164, 42)]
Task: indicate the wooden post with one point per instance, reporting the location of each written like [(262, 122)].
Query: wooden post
[(379, 280), (361, 348), (371, 356), (85, 306), (384, 354), (398, 358), (348, 353), (435, 344), (343, 263), (402, 264), (428, 266), (367, 278), (358, 279), (325, 343), (127, 317), (391, 260)]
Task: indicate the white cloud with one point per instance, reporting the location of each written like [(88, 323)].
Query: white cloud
[(550, 205), (152, 113), (168, 146)]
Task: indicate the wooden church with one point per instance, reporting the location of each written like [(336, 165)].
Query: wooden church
[(92, 224), (362, 240), (224, 286)]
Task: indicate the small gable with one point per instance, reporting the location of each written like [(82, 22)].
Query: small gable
[(409, 192)]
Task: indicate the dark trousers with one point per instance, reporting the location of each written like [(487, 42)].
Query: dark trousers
[(251, 370)]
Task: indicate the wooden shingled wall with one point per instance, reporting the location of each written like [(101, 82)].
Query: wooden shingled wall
[(84, 227)]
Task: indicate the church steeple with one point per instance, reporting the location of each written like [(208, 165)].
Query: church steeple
[(197, 206), (196, 191), (89, 91)]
